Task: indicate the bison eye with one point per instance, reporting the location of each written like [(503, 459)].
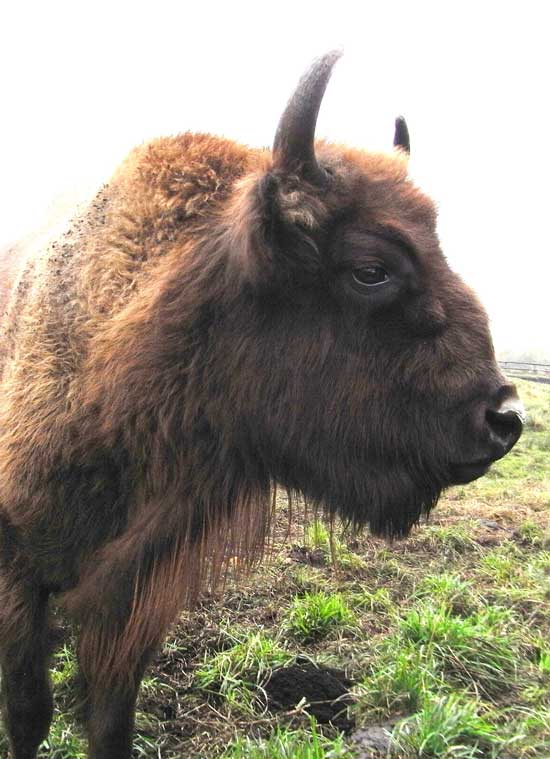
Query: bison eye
[(370, 276)]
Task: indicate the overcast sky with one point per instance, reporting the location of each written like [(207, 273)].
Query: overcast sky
[(85, 81)]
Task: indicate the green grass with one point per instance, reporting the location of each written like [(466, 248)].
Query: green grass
[(431, 651), (451, 539), (317, 536), (451, 590), (63, 741), (446, 727), (397, 682), (285, 743), (317, 615), (477, 651), (308, 580), (385, 569), (544, 662), (534, 729), (532, 533), (516, 579), (65, 666), (377, 601), (502, 565), (238, 673), (147, 735)]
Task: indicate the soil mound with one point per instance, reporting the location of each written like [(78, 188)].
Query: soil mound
[(325, 689)]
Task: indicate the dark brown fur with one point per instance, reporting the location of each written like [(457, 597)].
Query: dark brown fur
[(189, 343)]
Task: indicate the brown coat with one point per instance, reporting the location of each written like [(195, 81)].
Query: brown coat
[(219, 321)]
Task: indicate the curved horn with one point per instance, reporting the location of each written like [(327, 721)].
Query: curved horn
[(401, 137), (293, 147)]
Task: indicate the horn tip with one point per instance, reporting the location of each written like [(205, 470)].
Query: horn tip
[(330, 58), (335, 54), (401, 137), (323, 64)]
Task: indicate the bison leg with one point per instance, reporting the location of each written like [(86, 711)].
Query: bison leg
[(110, 722), (124, 607), (27, 703), (109, 709)]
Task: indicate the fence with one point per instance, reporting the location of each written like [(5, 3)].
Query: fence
[(526, 370)]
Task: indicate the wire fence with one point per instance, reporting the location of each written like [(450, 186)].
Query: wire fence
[(538, 372)]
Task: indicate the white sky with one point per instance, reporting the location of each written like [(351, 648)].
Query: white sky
[(85, 81)]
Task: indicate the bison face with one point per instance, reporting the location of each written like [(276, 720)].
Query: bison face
[(365, 376)]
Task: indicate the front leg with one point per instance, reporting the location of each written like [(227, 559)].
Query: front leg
[(109, 707), (27, 704), (127, 599), (110, 721)]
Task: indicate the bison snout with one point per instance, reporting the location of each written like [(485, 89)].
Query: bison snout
[(505, 425), (498, 425)]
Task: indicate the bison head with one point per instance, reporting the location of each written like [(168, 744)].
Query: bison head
[(358, 369)]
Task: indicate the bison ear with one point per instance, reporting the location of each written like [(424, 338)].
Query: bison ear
[(401, 137), (293, 147)]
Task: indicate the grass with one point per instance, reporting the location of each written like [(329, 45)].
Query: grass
[(431, 651), (285, 743), (446, 727), (65, 666), (532, 533), (445, 636), (516, 578), (448, 588), (238, 673), (317, 615), (478, 651), (377, 601), (396, 682), (451, 539), (63, 742), (332, 546)]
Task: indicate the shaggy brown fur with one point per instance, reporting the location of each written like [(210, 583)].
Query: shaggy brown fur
[(195, 338)]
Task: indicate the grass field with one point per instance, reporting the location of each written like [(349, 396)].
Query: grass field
[(441, 642)]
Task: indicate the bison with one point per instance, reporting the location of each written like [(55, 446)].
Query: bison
[(221, 321)]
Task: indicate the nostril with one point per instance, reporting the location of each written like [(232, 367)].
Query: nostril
[(506, 426)]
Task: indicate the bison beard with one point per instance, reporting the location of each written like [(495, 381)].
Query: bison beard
[(220, 322)]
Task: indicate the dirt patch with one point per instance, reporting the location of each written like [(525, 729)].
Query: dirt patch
[(325, 689), (303, 555)]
